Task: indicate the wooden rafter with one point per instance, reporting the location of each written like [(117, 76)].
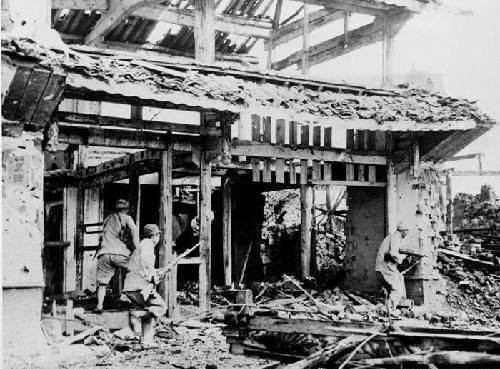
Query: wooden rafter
[(370, 7), (101, 5), (118, 11), (293, 30), (225, 23), (336, 46)]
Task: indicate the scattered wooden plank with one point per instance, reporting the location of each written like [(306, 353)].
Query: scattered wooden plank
[(448, 358), (16, 91), (33, 93)]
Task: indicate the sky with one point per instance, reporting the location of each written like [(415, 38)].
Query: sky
[(464, 50)]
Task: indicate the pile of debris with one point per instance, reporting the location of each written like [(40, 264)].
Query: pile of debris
[(473, 290), (477, 225), (280, 240), (312, 328)]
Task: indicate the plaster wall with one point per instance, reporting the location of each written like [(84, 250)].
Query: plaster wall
[(22, 229), (365, 231)]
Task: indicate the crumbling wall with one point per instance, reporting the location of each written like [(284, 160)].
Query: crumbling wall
[(22, 195), (420, 206), (365, 231)]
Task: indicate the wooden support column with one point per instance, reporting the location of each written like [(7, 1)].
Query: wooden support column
[(168, 288), (226, 232), (79, 237), (276, 23), (305, 41), (449, 204), (387, 49), (392, 192), (204, 30), (205, 229), (134, 194), (70, 198), (306, 204)]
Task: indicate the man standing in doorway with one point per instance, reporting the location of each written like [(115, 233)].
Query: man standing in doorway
[(388, 258), (119, 236)]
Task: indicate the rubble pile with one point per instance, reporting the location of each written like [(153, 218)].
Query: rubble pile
[(472, 291), (477, 225), (280, 240)]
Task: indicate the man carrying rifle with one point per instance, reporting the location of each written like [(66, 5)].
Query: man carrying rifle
[(389, 256), (139, 286)]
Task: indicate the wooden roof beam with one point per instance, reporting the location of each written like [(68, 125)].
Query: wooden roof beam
[(118, 11), (224, 23), (293, 30), (101, 5), (336, 46), (369, 7)]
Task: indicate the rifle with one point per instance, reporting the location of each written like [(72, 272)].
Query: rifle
[(162, 273), (411, 253)]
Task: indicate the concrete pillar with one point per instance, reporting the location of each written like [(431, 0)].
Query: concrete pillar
[(23, 227)]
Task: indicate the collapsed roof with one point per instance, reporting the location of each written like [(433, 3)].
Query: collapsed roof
[(235, 90)]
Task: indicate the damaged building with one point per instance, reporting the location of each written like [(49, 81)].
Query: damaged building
[(107, 115)]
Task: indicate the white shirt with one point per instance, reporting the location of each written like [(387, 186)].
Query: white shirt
[(391, 244), (141, 267)]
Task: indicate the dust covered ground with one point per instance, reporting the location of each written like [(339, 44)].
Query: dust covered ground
[(197, 345)]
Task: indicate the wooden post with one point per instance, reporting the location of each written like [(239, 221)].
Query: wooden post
[(70, 225), (387, 55), (276, 23), (168, 288), (449, 204), (204, 31), (226, 232), (79, 237), (205, 230), (305, 41), (346, 29), (306, 198), (392, 192), (134, 192)]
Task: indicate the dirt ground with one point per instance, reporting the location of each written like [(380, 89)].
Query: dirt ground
[(201, 348)]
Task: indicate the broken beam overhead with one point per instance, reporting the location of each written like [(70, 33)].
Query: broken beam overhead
[(293, 30), (369, 7), (336, 46), (126, 139), (139, 124), (225, 23), (263, 150), (101, 5)]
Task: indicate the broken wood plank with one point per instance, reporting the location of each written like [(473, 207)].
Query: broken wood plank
[(327, 355), (448, 358)]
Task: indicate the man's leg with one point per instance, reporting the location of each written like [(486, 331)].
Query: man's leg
[(105, 271), (148, 329), (101, 294)]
